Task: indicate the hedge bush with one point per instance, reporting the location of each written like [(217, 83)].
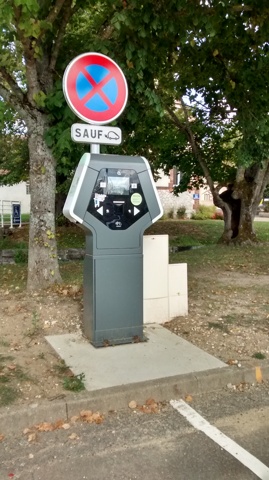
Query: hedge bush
[(204, 212)]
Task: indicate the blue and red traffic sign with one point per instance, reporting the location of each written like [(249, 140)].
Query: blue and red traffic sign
[(95, 88)]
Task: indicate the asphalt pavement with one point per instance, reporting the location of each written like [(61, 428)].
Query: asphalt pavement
[(131, 445)]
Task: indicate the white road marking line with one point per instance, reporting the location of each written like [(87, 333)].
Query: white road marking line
[(242, 455)]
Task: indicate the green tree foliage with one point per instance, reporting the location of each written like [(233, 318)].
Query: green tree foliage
[(14, 164), (38, 39), (197, 75), (31, 38), (210, 58)]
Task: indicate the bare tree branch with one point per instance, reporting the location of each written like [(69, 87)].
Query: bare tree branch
[(196, 149), (186, 128), (20, 105), (67, 13), (55, 11), (176, 120), (262, 180), (8, 79), (25, 41)]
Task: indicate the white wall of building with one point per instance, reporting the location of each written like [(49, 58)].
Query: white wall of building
[(163, 179), (16, 193), (169, 200)]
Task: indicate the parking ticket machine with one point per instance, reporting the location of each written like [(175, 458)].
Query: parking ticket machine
[(114, 199)]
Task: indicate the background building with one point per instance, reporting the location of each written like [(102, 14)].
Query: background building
[(19, 192), (171, 203)]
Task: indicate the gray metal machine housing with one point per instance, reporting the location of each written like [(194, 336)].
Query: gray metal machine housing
[(114, 199)]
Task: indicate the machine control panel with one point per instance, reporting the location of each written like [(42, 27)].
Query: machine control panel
[(117, 199)]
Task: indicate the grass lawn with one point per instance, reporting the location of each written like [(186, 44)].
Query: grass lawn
[(248, 259), (202, 234), (181, 233), (199, 232)]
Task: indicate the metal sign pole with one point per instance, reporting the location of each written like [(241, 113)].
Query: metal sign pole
[(95, 148)]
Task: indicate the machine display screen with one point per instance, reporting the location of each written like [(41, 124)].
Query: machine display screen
[(118, 185)]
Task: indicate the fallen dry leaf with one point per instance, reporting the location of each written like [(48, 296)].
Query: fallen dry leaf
[(74, 419), (90, 417), (152, 408), (65, 426), (85, 413), (232, 362), (45, 427), (150, 401), (2, 437), (97, 418), (73, 436), (188, 398), (32, 437), (58, 424), (145, 408)]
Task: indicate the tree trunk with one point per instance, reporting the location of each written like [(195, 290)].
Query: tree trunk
[(246, 233), (231, 215), (250, 185), (43, 267), (59, 203), (242, 199), (227, 232)]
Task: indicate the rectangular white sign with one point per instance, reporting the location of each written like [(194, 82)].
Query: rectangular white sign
[(99, 134)]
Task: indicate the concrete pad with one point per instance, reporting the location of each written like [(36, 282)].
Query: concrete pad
[(163, 355)]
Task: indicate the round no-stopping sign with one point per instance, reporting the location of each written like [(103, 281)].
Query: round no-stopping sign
[(95, 88)]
